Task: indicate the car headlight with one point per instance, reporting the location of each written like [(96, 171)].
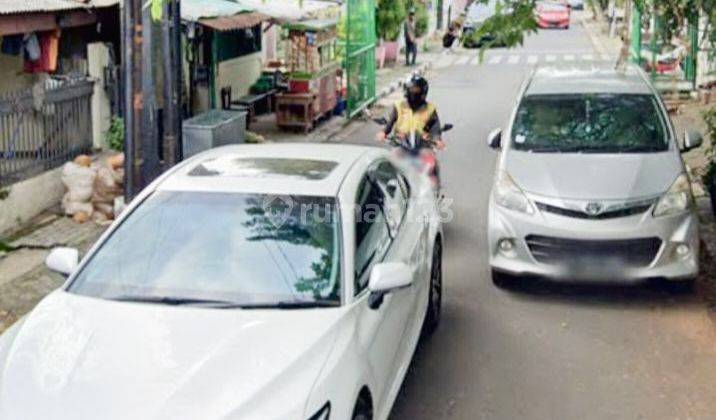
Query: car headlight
[(677, 200), (510, 196), (323, 414)]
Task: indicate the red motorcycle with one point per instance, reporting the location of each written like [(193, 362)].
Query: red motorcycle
[(420, 150)]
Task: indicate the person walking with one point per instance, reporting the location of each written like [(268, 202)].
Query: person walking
[(411, 43)]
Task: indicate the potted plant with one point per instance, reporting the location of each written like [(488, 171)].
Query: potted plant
[(390, 16)]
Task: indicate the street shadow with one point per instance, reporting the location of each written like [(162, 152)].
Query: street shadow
[(650, 291)]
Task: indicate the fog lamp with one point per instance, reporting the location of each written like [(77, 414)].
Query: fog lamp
[(506, 245), (683, 250)]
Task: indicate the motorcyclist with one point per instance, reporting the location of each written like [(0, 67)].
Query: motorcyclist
[(414, 114)]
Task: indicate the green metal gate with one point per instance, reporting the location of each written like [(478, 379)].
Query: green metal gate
[(360, 54), (655, 55)]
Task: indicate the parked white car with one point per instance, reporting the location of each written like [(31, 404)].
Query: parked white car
[(243, 284)]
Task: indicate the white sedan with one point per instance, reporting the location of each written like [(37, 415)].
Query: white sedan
[(249, 282)]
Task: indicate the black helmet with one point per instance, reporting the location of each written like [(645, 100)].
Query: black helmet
[(416, 91)]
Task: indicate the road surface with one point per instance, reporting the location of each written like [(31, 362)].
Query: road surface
[(544, 351)]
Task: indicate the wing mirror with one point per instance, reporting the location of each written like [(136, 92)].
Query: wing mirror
[(63, 260), (447, 127), (386, 278), (494, 139), (692, 140), (380, 121)]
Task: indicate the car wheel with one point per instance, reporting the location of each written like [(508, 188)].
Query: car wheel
[(363, 410), (435, 297)]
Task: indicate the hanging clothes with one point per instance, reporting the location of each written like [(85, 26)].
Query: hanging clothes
[(46, 62), (11, 45), (31, 47)]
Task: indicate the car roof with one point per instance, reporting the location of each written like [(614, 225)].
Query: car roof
[(276, 168), (587, 78)]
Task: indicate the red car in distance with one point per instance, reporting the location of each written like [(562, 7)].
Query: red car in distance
[(553, 15)]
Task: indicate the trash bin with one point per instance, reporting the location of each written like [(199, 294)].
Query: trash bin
[(213, 129)]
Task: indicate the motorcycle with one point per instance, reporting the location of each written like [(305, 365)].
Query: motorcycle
[(420, 151)]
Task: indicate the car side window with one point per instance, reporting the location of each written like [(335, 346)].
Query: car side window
[(396, 203), (371, 231)]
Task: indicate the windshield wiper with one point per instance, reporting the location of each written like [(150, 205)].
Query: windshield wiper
[(292, 304), (170, 300)]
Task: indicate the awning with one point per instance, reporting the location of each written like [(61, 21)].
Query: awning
[(229, 23)]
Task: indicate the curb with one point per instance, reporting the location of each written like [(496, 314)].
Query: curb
[(593, 39)]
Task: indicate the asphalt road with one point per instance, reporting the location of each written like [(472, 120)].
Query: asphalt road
[(543, 351)]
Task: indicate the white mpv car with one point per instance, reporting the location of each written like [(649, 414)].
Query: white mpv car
[(590, 183), (249, 282)]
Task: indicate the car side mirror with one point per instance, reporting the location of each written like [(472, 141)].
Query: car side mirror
[(494, 139), (380, 121), (386, 278), (692, 140), (447, 127), (63, 260)]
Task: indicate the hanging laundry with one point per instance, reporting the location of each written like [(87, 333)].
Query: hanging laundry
[(49, 45), (32, 47), (11, 45)]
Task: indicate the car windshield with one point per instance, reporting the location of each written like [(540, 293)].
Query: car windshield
[(240, 249), (551, 7), (589, 123)]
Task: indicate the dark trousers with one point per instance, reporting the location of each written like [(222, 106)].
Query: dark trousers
[(411, 49)]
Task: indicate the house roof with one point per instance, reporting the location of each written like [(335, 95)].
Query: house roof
[(194, 10), (290, 10), (8, 7)]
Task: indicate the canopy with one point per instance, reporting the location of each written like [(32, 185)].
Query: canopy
[(289, 10)]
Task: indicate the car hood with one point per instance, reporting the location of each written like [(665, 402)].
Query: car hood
[(83, 358), (593, 176), (553, 15)]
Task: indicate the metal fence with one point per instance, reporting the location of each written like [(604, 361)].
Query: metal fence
[(360, 54), (44, 126)]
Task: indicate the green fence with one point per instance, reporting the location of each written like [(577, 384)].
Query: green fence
[(360, 54)]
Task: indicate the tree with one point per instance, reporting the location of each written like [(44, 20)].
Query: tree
[(390, 15)]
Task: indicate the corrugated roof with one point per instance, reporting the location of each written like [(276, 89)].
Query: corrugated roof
[(289, 10), (194, 10), (240, 21), (33, 6)]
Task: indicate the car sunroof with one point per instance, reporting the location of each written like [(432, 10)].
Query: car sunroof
[(307, 169)]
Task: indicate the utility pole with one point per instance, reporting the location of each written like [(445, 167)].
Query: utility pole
[(132, 76), (171, 54)]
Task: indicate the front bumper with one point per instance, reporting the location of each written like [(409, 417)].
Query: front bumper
[(546, 24), (673, 231)]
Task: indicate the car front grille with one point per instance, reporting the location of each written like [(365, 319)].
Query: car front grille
[(609, 214), (558, 251)]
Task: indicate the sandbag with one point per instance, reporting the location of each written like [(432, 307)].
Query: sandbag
[(79, 181), (108, 185)]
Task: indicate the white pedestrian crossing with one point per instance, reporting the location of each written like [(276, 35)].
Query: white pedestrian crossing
[(462, 60), (516, 59), (495, 60)]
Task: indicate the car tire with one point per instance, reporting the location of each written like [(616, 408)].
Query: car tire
[(435, 296), (504, 280), (363, 410)]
